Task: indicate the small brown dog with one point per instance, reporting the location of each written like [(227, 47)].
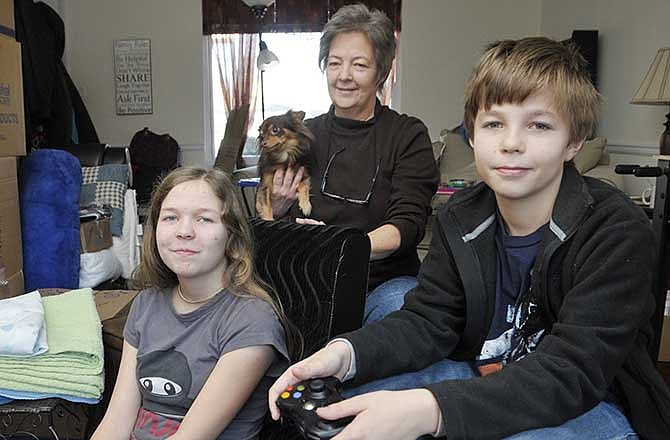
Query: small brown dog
[(284, 141)]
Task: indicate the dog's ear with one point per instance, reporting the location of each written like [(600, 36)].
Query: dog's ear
[(298, 116)]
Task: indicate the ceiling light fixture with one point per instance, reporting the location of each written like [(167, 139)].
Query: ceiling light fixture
[(258, 7)]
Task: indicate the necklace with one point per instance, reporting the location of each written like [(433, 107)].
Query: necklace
[(197, 301)]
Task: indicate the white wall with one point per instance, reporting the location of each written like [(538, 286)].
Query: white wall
[(175, 30), (441, 40)]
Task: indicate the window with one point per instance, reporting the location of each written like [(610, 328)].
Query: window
[(296, 83)]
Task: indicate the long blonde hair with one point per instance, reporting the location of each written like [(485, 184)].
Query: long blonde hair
[(239, 251)]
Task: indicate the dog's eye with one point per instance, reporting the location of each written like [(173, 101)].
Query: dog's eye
[(274, 130)]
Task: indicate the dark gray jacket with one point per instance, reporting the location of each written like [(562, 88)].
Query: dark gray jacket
[(592, 283)]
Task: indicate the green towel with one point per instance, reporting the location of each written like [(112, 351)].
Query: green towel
[(73, 365)]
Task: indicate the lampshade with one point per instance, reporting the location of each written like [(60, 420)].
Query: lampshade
[(655, 87), (266, 58), (258, 7)]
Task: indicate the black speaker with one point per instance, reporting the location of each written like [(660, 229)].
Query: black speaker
[(587, 43)]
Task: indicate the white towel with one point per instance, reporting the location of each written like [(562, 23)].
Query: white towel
[(98, 267), (22, 329), (124, 246)]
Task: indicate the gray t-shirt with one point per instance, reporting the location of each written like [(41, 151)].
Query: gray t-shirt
[(177, 352)]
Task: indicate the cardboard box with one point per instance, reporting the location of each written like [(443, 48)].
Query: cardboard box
[(13, 286), (7, 18), (11, 254), (12, 123), (111, 302), (95, 235), (664, 351)]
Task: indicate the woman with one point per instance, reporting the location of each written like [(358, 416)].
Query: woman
[(373, 168), (203, 339)]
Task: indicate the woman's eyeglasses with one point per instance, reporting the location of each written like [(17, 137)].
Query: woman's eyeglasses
[(324, 181)]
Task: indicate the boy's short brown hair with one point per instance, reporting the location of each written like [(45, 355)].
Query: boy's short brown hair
[(512, 70)]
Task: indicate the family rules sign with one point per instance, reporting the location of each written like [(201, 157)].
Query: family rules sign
[(132, 77)]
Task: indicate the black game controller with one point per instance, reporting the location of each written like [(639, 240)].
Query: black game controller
[(298, 404)]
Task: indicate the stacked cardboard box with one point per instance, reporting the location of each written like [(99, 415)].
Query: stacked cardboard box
[(7, 17), (11, 255), (664, 350), (12, 144)]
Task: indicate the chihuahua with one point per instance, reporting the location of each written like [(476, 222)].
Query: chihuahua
[(284, 141)]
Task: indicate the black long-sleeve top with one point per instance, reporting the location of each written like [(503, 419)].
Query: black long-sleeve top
[(401, 194)]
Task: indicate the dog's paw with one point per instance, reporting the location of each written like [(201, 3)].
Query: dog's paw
[(305, 207)]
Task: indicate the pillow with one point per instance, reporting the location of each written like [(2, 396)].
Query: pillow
[(106, 185), (590, 154), (457, 155)]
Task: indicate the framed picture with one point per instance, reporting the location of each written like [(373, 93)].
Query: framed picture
[(132, 77)]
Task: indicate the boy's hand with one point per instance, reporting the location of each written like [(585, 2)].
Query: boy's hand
[(285, 189), (386, 415), (332, 360)]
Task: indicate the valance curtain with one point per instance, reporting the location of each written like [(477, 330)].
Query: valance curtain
[(234, 17)]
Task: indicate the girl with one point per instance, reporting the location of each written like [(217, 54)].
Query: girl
[(203, 339)]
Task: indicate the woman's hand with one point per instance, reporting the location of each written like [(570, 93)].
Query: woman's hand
[(384, 241), (285, 189), (309, 221), (386, 415), (332, 360)]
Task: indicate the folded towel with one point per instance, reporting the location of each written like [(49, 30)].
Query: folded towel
[(9, 395), (22, 329), (73, 365)]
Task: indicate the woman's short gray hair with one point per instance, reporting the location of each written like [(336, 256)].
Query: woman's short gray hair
[(374, 24)]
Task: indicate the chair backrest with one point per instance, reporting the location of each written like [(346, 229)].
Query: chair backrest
[(320, 275), (234, 137)]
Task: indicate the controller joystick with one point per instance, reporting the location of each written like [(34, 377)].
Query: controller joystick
[(298, 404), (317, 389)]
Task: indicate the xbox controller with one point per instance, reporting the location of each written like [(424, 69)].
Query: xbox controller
[(298, 404)]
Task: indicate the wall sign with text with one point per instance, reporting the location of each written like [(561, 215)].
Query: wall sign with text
[(132, 76)]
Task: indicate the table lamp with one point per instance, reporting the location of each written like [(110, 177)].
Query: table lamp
[(655, 90)]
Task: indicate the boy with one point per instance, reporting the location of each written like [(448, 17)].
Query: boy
[(538, 279)]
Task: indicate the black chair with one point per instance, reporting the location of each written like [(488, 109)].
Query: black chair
[(91, 155), (320, 275)]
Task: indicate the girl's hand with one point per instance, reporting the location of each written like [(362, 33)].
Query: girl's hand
[(285, 190)]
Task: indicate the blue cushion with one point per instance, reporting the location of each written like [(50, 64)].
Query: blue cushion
[(50, 187)]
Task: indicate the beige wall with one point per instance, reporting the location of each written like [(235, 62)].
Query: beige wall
[(440, 42), (631, 31), (174, 28)]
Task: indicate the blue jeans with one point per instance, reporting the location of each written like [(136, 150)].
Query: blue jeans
[(388, 297), (603, 422)]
